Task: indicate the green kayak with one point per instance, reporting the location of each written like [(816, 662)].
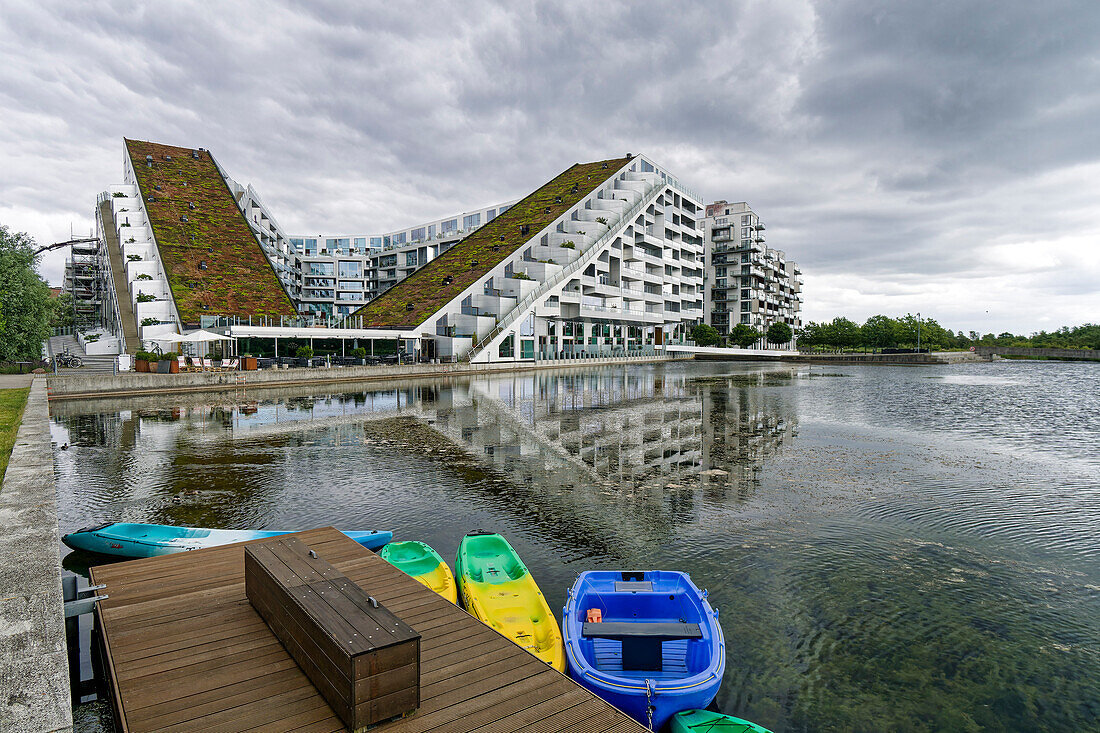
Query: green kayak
[(704, 721)]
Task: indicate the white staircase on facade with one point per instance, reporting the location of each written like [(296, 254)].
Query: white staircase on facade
[(646, 186)]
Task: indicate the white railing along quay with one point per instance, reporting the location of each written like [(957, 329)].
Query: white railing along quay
[(509, 318)]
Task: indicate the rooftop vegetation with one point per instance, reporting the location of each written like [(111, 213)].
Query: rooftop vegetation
[(213, 261), (444, 278)]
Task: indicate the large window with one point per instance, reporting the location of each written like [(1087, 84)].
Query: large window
[(449, 226), (470, 221), (351, 269), (490, 215), (410, 259), (375, 242), (399, 238), (351, 284), (418, 234), (321, 268)]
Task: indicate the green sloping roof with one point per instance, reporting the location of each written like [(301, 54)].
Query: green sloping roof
[(238, 279), (483, 250)]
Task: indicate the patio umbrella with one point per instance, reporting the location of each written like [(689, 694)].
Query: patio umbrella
[(202, 336)]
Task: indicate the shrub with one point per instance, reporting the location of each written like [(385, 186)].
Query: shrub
[(359, 353), (520, 276), (145, 298), (91, 338), (569, 245), (119, 195), (167, 356), (133, 258), (601, 220), (304, 352), (150, 321), (145, 356), (144, 276)]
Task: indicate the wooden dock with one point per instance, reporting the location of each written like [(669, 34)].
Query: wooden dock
[(185, 651)]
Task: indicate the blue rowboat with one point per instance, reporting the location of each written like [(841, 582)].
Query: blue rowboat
[(152, 540), (647, 642)]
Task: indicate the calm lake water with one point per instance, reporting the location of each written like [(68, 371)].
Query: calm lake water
[(890, 548)]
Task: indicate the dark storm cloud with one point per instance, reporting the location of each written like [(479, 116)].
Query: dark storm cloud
[(901, 152)]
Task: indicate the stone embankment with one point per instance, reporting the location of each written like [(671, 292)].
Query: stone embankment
[(34, 669), (1036, 353), (131, 383)]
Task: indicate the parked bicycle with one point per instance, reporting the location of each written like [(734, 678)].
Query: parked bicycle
[(69, 361)]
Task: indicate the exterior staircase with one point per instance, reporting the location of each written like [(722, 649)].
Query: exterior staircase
[(131, 341), (100, 364), (509, 319)]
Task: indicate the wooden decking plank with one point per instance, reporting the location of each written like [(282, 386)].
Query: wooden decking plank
[(430, 720), (505, 668), (465, 663), (239, 625), (302, 700), (543, 704), (143, 692), (214, 694), (253, 645), (181, 710)]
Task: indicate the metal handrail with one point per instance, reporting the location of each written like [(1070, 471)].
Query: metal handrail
[(592, 250)]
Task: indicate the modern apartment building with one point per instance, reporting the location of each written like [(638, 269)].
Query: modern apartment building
[(605, 258), (746, 281), (337, 274)]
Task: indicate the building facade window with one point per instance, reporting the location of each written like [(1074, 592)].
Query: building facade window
[(449, 226), (351, 269), (471, 220)]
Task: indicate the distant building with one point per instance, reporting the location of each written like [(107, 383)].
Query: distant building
[(746, 281), (335, 274)]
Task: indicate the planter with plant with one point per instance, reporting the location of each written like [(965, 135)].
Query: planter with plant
[(520, 276), (150, 321), (144, 276), (304, 354), (118, 195), (168, 363), (133, 258), (145, 298), (249, 363), (569, 245), (360, 355)]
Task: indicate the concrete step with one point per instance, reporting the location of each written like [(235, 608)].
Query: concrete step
[(100, 364)]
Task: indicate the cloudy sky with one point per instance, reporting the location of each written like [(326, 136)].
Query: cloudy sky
[(941, 157)]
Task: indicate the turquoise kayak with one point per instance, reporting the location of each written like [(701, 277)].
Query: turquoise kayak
[(152, 540), (704, 721)]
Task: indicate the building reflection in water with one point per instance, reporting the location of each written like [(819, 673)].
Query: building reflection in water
[(646, 442)]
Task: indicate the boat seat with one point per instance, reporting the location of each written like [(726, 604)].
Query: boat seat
[(641, 640)]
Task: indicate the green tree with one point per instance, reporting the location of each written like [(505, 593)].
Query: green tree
[(843, 333), (24, 299), (779, 333), (812, 334), (704, 335), (744, 335), (62, 315), (878, 331)]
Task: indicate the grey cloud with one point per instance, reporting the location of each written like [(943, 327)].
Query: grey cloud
[(894, 143)]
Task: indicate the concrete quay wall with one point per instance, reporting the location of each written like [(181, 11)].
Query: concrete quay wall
[(34, 669), (1027, 351), (133, 383)]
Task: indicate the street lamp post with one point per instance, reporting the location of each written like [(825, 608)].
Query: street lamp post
[(918, 332)]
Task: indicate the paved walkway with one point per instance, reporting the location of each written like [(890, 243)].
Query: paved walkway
[(34, 670), (15, 381)]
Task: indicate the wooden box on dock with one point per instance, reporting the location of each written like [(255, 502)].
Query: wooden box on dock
[(364, 660)]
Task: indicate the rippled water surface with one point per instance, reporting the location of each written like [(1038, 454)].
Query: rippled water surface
[(890, 548)]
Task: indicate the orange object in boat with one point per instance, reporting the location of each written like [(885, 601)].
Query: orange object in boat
[(595, 616)]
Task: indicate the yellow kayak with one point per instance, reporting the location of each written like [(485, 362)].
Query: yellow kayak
[(498, 589), (423, 563)]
